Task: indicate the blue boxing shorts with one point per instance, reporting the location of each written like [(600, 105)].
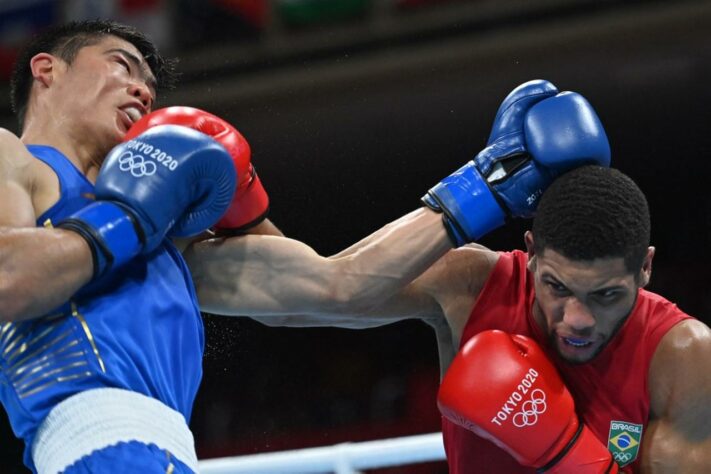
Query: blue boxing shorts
[(131, 457), (114, 430)]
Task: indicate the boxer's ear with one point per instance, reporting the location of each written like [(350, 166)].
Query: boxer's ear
[(645, 273), (528, 240), (42, 67)]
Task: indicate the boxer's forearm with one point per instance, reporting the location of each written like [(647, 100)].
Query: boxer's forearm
[(263, 275), (39, 270)]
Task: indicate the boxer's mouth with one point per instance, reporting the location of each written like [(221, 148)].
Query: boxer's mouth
[(576, 342), (133, 113)]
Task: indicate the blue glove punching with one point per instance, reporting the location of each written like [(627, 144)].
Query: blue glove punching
[(537, 135), (170, 180)]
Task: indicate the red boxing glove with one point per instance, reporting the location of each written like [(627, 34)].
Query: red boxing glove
[(503, 388), (250, 203)]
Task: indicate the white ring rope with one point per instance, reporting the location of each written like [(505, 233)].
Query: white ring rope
[(344, 458)]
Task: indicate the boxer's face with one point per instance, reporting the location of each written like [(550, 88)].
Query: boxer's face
[(106, 88), (580, 305)]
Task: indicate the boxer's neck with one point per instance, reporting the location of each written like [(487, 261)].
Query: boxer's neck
[(85, 154)]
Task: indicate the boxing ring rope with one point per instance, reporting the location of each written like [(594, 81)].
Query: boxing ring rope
[(343, 458)]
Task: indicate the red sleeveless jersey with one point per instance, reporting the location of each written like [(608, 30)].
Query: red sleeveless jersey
[(610, 391)]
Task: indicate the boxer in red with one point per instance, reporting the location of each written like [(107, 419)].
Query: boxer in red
[(621, 352)]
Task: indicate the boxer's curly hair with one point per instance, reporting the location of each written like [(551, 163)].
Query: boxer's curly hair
[(67, 39), (594, 212)]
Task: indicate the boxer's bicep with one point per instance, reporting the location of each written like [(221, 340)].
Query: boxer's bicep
[(666, 449), (678, 438)]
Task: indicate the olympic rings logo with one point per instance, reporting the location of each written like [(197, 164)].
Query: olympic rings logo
[(528, 416), (136, 164), (622, 458)]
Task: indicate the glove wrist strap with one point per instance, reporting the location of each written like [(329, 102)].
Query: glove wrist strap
[(584, 453), (110, 231), (468, 204)]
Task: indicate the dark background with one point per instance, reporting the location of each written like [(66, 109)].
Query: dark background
[(353, 111)]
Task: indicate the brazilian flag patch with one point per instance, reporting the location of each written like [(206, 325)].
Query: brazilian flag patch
[(624, 441)]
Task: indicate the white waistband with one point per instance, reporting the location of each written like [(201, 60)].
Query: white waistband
[(102, 417)]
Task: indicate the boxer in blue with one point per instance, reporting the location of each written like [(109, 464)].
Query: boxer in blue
[(98, 305)]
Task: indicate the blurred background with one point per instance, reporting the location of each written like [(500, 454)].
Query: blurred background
[(353, 109)]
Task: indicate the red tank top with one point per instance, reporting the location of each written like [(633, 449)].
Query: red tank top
[(610, 391)]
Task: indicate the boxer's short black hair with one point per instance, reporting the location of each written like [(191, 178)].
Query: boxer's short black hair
[(67, 39), (594, 212)]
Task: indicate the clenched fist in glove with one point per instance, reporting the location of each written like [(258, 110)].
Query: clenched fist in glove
[(503, 388), (250, 203), (538, 134)]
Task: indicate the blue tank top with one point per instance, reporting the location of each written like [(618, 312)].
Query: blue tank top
[(142, 332)]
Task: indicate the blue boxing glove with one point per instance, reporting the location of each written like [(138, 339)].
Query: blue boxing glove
[(170, 180), (538, 134)]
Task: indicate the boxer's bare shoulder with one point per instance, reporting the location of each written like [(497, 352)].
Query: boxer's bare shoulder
[(679, 365), (16, 181), (14, 157), (25, 176), (680, 391)]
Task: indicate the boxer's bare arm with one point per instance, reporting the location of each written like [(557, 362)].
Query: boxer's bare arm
[(412, 302), (678, 438), (275, 276), (282, 282), (39, 268)]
